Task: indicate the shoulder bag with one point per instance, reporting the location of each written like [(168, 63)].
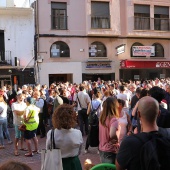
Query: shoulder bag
[(51, 158)]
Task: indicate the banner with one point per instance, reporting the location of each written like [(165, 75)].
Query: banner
[(143, 50)]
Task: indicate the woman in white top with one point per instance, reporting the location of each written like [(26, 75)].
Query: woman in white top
[(124, 122), (66, 138), (3, 121)]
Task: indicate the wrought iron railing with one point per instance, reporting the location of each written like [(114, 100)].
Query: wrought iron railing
[(162, 24), (141, 23), (5, 58), (100, 22), (146, 23), (59, 22)]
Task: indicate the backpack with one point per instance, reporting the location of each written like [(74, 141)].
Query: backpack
[(155, 151), (93, 118)]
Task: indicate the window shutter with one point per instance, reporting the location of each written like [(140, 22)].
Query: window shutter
[(161, 10), (58, 5), (142, 9), (100, 9)]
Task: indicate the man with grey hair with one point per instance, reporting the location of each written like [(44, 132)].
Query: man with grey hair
[(131, 155)]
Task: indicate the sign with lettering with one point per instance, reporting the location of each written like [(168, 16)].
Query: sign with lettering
[(143, 50), (144, 64)]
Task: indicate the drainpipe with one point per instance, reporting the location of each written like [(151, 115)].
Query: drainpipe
[(36, 40)]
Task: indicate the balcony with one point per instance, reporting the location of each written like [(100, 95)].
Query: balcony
[(59, 22), (100, 22), (5, 58), (146, 23)]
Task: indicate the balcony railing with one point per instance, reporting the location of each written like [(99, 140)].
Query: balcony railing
[(162, 24), (100, 22), (146, 23), (5, 58), (59, 22), (141, 23)]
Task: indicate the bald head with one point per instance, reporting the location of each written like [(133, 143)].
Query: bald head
[(148, 108)]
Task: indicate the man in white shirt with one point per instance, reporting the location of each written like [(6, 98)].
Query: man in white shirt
[(18, 109), (83, 101)]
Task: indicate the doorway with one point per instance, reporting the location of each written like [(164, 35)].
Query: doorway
[(60, 78)]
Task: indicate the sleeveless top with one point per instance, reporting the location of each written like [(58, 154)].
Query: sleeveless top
[(122, 127), (33, 121)]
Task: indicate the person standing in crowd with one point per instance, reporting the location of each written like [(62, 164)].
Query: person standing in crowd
[(57, 100), (124, 122), (31, 120), (66, 138), (163, 119), (83, 101), (108, 126), (167, 96), (129, 155), (3, 121), (39, 102), (18, 109), (122, 95), (96, 104)]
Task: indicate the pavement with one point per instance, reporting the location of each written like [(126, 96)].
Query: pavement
[(35, 161)]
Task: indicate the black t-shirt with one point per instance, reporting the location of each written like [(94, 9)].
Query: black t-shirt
[(134, 100), (163, 119), (128, 156)]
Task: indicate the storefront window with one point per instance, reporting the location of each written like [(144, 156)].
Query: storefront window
[(97, 49), (159, 50), (135, 44)]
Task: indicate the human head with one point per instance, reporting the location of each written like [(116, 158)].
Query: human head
[(81, 87), (148, 109), (122, 88), (157, 93), (121, 104), (64, 117), (110, 109), (30, 100), (144, 92), (14, 165)]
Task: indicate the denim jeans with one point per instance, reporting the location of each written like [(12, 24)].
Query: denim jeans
[(107, 157), (3, 128), (83, 120)]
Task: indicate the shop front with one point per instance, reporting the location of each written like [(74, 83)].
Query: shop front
[(103, 69), (140, 70)]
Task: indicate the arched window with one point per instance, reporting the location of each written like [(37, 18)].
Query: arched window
[(59, 49), (97, 49), (159, 50), (133, 48)]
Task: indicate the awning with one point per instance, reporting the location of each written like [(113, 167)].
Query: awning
[(144, 64)]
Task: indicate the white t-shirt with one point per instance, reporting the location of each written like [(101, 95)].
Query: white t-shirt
[(68, 140), (4, 112), (18, 120)]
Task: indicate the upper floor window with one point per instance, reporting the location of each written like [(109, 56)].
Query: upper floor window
[(60, 49), (161, 18), (141, 17), (159, 50), (133, 48), (58, 16), (100, 15), (97, 49)]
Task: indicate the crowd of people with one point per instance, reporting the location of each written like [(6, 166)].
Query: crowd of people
[(121, 109)]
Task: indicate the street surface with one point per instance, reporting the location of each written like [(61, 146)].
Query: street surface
[(35, 161)]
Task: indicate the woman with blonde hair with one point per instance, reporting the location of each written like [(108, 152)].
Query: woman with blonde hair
[(3, 121), (108, 125)]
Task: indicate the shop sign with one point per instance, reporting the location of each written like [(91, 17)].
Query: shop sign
[(144, 64), (120, 49), (143, 50), (98, 65)]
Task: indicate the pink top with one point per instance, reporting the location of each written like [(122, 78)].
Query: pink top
[(105, 143)]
